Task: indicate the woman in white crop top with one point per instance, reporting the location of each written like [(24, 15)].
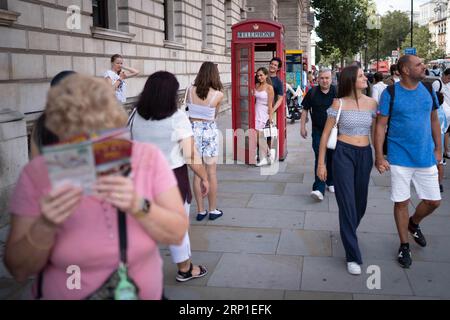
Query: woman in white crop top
[(204, 101), (352, 158)]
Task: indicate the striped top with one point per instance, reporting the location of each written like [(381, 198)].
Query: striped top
[(353, 122)]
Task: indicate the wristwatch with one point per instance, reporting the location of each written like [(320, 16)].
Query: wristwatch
[(144, 208)]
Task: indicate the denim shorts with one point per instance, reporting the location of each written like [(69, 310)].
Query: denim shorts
[(206, 136)]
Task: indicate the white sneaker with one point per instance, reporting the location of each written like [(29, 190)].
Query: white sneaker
[(353, 268), (331, 189), (317, 195), (263, 162)]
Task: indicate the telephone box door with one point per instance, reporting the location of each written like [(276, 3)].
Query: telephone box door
[(243, 103)]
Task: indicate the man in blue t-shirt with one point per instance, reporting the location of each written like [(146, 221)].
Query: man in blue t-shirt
[(414, 149)]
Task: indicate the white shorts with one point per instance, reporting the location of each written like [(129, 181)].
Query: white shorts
[(425, 180)]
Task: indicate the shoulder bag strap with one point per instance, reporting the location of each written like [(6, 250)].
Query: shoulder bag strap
[(185, 95), (339, 112), (130, 121), (123, 243), (190, 94)]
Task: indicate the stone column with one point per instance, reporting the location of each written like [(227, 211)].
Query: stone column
[(289, 12), (13, 156)]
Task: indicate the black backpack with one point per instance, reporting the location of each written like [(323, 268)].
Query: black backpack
[(391, 90)]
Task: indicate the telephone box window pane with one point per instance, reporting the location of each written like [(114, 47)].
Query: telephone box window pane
[(244, 67), (244, 117), (244, 92), (244, 79), (244, 104), (244, 53)]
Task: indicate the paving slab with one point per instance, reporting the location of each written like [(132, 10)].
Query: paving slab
[(297, 189), (381, 181), (216, 293), (252, 187), (296, 168), (374, 205), (373, 246), (227, 239), (430, 279), (299, 203), (436, 225), (287, 177), (329, 221), (260, 218), (240, 176), (305, 243), (330, 274), (257, 271)]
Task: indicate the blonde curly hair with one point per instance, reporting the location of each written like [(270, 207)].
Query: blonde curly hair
[(82, 105)]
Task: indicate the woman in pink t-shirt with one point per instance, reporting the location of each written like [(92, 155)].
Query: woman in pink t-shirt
[(71, 239)]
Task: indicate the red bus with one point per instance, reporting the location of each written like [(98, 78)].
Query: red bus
[(383, 66)]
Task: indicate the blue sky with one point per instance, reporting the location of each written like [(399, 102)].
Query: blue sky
[(384, 6)]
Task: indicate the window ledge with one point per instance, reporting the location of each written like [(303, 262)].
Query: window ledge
[(208, 50), (7, 17), (173, 45), (109, 34)]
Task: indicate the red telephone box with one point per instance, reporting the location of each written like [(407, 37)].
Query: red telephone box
[(254, 44)]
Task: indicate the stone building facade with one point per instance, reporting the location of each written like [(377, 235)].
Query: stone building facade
[(39, 38)]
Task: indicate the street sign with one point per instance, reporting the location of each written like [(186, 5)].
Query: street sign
[(394, 53), (411, 51)]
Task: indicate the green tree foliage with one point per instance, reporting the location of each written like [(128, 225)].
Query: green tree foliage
[(342, 25), (395, 26), (422, 42), (438, 53)]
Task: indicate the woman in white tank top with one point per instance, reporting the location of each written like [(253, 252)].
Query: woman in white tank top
[(204, 96), (263, 112)]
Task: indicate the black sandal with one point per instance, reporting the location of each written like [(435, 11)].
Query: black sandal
[(186, 276)]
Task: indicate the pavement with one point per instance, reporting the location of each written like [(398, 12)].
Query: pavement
[(274, 242)]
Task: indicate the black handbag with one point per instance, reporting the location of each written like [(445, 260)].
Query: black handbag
[(118, 286)]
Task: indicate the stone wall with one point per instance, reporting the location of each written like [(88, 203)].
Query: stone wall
[(39, 44), (13, 156)]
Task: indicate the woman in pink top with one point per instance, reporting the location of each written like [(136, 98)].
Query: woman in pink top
[(56, 231), (263, 112)]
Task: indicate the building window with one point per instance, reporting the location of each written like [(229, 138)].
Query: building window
[(168, 21), (100, 13), (106, 22), (173, 25), (7, 18), (104, 14), (207, 25)]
